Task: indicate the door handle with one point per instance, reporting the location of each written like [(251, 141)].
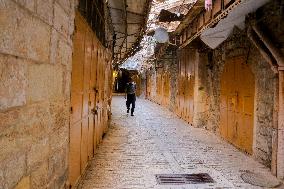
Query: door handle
[(96, 90), (94, 111)]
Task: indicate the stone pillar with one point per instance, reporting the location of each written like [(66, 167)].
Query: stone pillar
[(280, 154), (200, 107)]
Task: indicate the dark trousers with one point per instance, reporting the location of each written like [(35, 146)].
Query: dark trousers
[(131, 98)]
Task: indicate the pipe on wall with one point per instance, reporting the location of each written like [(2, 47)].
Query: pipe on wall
[(257, 43), (279, 57), (269, 44)]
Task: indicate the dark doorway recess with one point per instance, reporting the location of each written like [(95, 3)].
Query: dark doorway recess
[(121, 80)]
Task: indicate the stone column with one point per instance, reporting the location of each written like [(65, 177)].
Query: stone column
[(200, 108)]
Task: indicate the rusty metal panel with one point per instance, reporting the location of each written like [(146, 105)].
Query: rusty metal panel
[(183, 86), (186, 86), (77, 100), (91, 145), (74, 153), (191, 83), (237, 104), (185, 97), (86, 99), (166, 89), (84, 144), (77, 73), (89, 95)]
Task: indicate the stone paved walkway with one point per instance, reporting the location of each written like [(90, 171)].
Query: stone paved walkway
[(155, 141)]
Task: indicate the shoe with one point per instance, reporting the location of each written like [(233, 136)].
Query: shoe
[(132, 114), (127, 111)]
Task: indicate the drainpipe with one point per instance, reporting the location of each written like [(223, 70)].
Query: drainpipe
[(257, 43), (268, 43), (278, 56)]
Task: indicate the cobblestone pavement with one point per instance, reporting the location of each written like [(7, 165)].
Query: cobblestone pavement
[(155, 141)]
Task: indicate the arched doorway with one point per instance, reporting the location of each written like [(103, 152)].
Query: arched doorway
[(237, 104)]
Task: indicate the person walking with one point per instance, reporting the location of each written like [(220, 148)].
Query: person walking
[(130, 95)]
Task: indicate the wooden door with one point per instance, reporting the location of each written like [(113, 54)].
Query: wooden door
[(159, 95), (77, 93), (183, 84), (166, 89), (98, 98), (237, 104), (190, 83), (148, 85), (185, 96), (186, 84), (93, 96), (89, 95)]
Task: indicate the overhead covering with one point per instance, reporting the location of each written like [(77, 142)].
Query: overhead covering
[(129, 21), (213, 37), (178, 7), (143, 59)]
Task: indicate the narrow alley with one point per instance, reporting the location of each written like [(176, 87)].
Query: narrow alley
[(128, 94), (155, 141)]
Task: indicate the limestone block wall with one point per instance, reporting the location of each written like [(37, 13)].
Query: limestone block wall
[(167, 65), (201, 89), (173, 69), (265, 89), (35, 72), (209, 65)]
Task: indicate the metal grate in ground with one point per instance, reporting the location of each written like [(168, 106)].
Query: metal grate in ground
[(177, 179)]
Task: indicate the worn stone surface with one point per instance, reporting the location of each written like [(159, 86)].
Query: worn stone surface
[(201, 106), (13, 81), (265, 87), (25, 183), (168, 64), (61, 20), (44, 10), (207, 91), (155, 141), (39, 177), (22, 34), (35, 81)]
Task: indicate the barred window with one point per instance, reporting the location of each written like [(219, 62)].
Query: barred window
[(93, 12)]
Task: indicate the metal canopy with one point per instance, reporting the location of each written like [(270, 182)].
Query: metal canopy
[(129, 19)]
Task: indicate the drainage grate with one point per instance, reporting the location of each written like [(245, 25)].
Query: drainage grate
[(176, 179)]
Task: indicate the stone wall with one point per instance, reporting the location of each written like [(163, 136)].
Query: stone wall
[(265, 88), (168, 63), (35, 72), (201, 91), (209, 66), (173, 69), (266, 83)]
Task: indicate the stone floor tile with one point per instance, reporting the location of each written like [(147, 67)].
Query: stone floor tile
[(155, 141)]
